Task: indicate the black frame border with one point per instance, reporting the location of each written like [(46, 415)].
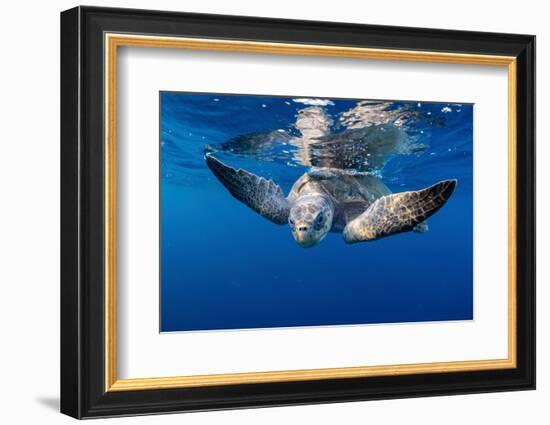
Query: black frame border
[(82, 204)]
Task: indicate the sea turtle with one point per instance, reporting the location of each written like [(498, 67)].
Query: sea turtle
[(358, 205)]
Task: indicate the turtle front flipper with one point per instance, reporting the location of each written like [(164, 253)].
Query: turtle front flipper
[(263, 196), (398, 212)]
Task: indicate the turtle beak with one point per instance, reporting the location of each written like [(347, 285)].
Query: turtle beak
[(303, 236), (306, 243)]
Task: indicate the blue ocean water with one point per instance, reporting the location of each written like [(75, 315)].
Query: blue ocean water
[(225, 267)]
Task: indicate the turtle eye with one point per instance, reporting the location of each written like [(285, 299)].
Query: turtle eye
[(291, 222), (319, 222)]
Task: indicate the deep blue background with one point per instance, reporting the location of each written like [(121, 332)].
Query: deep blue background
[(225, 267)]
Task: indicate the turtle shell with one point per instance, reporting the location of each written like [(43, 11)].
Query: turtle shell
[(342, 186)]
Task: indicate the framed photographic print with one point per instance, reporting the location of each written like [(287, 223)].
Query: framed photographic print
[(261, 212)]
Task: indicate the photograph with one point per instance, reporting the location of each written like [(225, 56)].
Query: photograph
[(307, 211)]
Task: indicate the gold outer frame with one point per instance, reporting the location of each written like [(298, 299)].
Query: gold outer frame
[(113, 41)]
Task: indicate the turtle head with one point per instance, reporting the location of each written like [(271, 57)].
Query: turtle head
[(310, 219)]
